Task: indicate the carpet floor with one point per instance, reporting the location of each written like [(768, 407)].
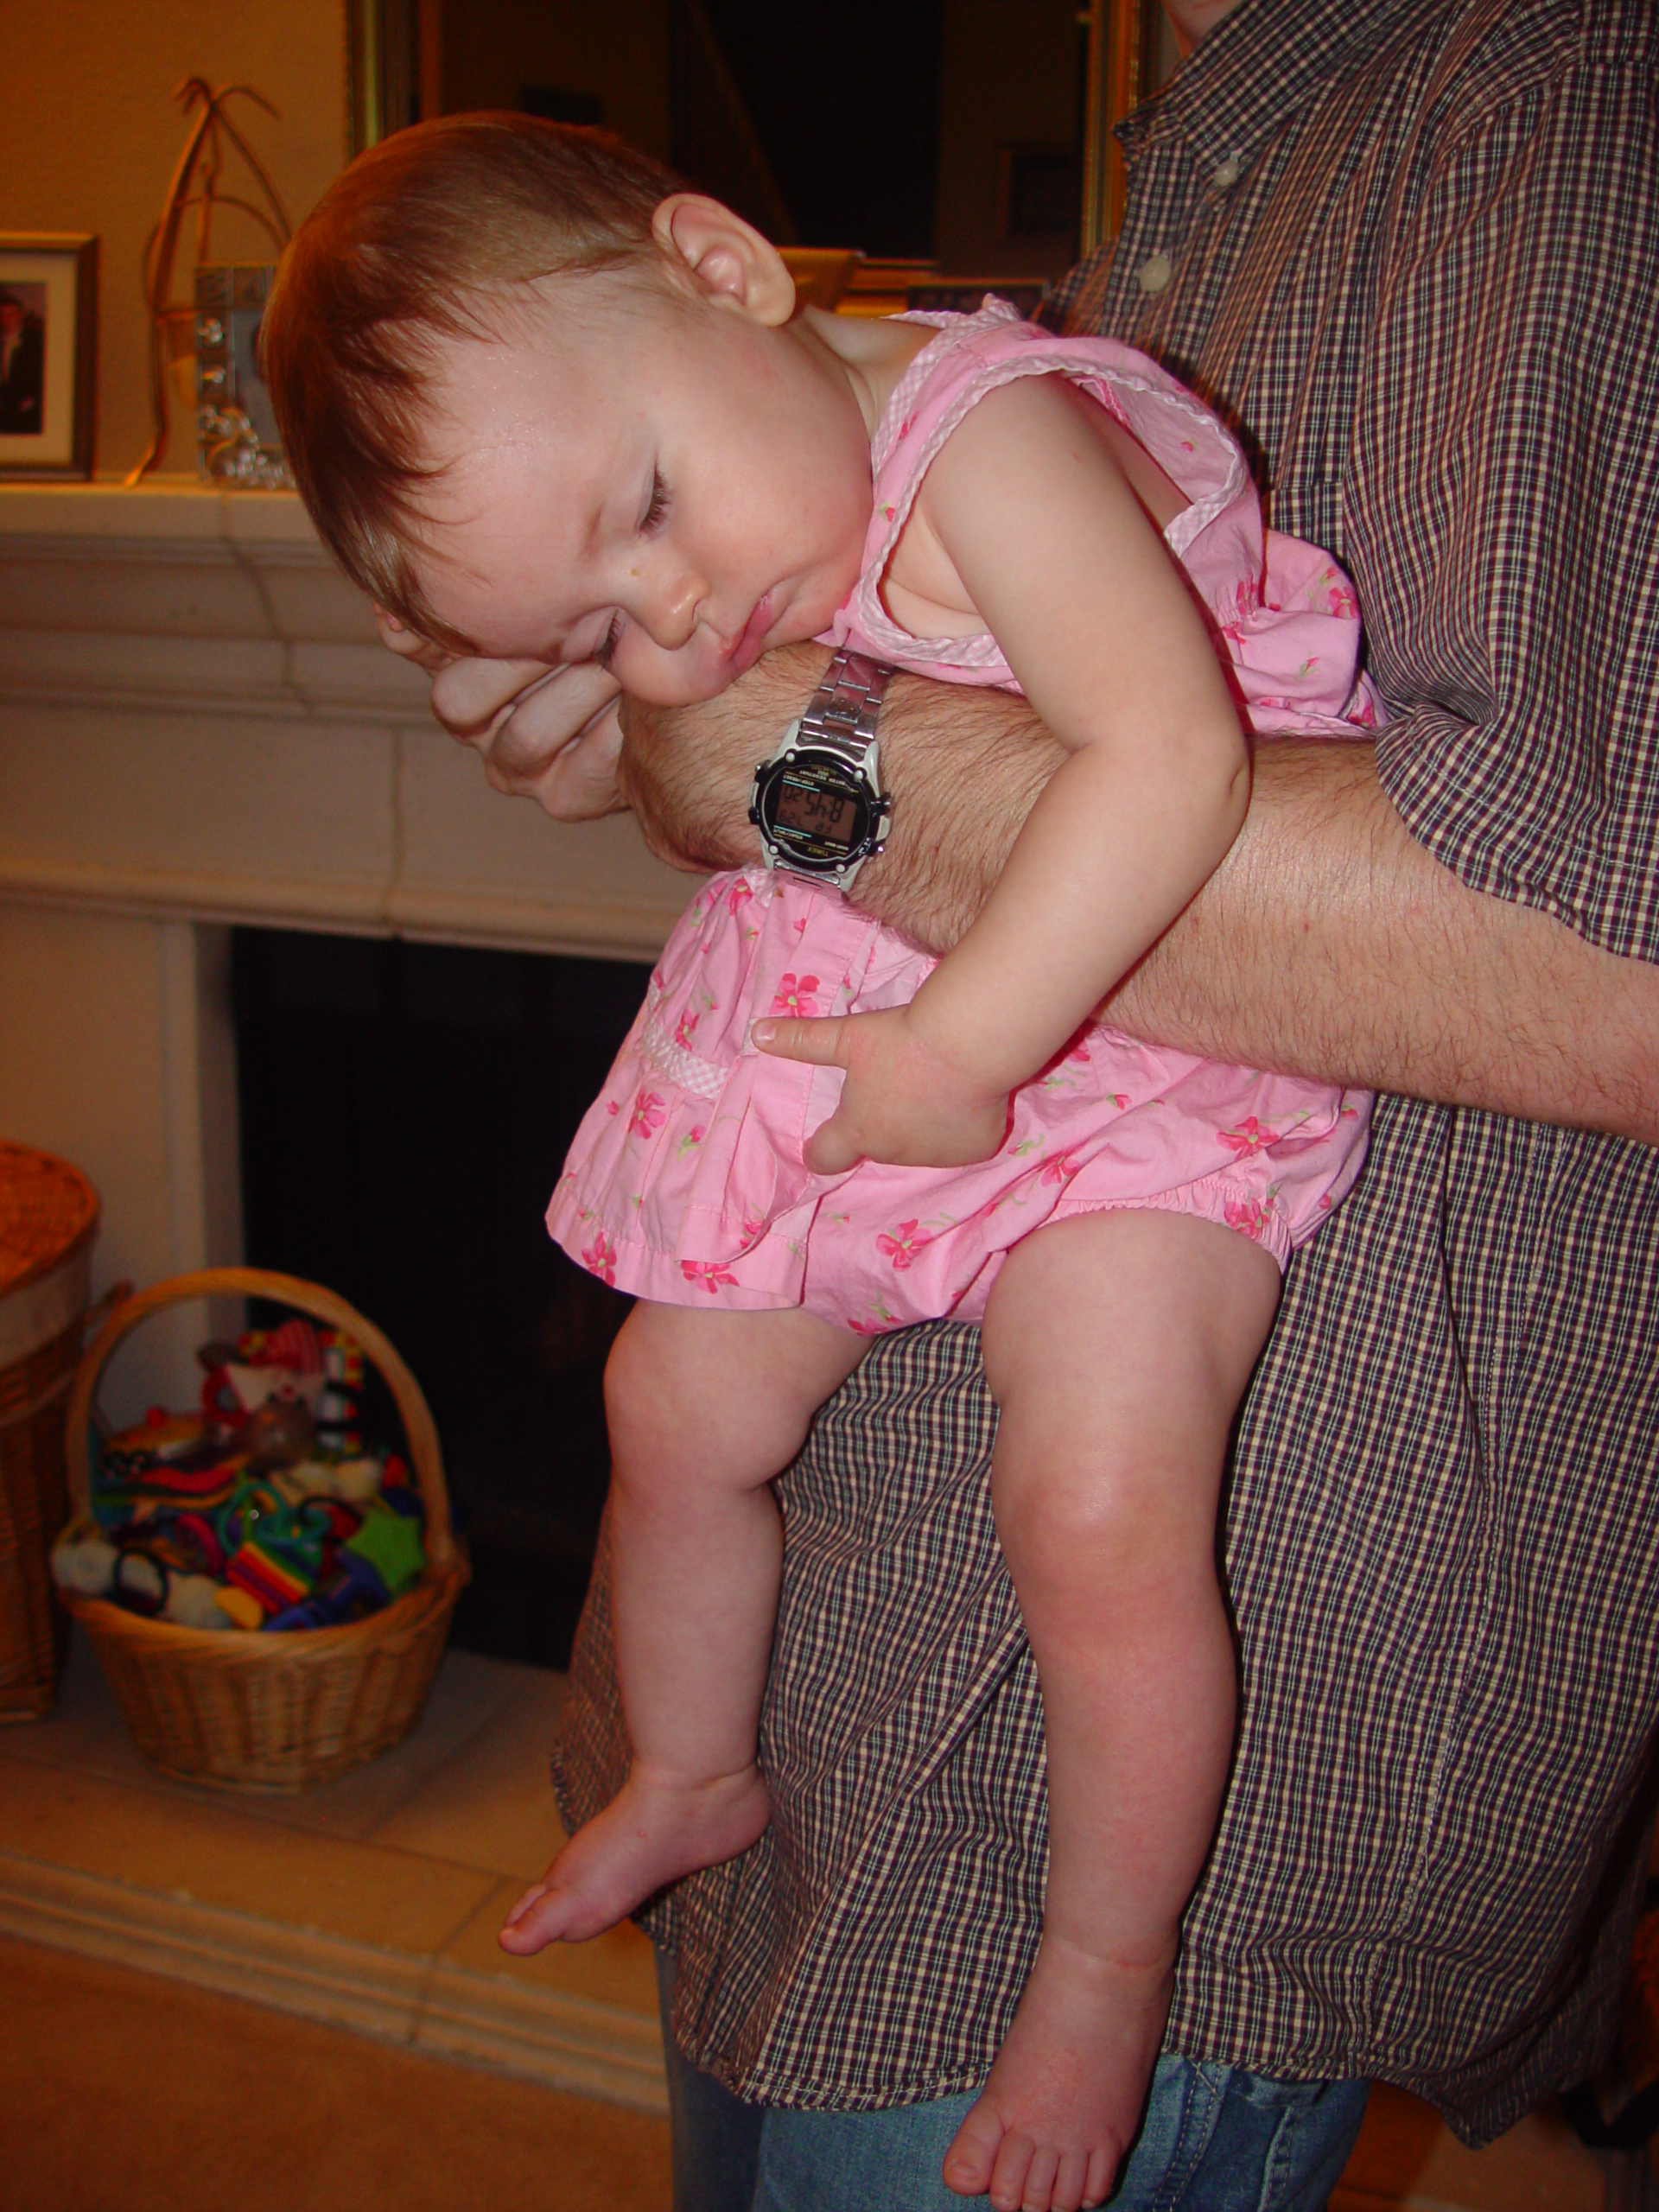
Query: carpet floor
[(123, 2092)]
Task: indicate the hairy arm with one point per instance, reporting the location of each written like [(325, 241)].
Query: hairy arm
[(1328, 943)]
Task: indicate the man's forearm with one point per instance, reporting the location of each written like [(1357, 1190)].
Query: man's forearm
[(1328, 943)]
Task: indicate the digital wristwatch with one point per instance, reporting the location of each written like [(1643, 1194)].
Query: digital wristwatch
[(817, 801)]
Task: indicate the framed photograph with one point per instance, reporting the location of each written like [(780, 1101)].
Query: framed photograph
[(48, 329), (236, 426)]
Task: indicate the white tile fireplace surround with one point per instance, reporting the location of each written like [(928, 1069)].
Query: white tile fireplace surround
[(198, 728)]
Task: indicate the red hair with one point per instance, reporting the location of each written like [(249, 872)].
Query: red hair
[(415, 241)]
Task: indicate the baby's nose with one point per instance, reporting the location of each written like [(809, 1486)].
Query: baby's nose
[(674, 616)]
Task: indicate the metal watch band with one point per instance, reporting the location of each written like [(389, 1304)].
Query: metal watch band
[(842, 716)]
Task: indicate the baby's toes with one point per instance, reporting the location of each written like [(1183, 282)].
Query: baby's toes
[(1007, 2190), (1039, 2194), (1097, 2183), (968, 2162), (538, 1919)]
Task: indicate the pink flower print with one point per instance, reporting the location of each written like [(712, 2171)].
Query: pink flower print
[(1248, 1138), (648, 1115), (1339, 596), (902, 1248), (1119, 1099), (796, 994), (710, 1273), (684, 1026), (613, 1105), (1247, 1216), (1080, 1052), (691, 1138), (734, 898), (1060, 1169), (890, 511), (751, 1231), (600, 1258)]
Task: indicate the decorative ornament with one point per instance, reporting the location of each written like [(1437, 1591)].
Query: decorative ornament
[(173, 323)]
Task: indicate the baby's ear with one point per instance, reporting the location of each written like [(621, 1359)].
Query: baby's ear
[(726, 258)]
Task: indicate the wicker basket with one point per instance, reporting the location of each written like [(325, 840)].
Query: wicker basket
[(282, 1711), (48, 1216)]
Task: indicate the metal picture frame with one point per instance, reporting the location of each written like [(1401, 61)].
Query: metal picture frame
[(236, 425), (48, 354)]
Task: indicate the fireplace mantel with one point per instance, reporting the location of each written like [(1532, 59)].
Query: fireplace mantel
[(197, 724)]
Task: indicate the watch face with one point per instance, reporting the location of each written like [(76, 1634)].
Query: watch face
[(805, 803), (815, 813)]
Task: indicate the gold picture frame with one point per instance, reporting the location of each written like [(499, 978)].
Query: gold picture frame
[(48, 354), (391, 66)]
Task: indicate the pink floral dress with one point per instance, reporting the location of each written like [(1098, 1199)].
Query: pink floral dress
[(686, 1182)]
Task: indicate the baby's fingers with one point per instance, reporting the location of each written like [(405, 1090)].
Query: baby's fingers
[(822, 1043), (829, 1150)]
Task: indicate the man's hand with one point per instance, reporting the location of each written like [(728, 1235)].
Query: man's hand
[(549, 733)]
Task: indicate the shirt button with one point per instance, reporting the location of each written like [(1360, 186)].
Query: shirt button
[(1155, 272), (1225, 173)]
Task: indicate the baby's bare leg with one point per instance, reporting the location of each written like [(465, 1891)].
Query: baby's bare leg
[(1118, 1346), (704, 1408)]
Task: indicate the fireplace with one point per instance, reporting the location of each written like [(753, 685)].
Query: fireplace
[(404, 1111), (256, 910)]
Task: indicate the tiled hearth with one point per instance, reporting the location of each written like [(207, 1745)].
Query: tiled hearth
[(373, 1903)]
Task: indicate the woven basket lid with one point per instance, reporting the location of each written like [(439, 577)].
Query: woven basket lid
[(47, 1209)]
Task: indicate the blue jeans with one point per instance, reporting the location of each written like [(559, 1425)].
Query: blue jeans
[(1215, 2139)]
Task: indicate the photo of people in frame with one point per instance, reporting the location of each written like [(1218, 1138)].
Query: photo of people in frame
[(22, 359)]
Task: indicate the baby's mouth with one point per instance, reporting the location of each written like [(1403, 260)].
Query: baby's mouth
[(751, 641)]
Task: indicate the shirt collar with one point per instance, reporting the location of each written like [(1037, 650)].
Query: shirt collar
[(1261, 64)]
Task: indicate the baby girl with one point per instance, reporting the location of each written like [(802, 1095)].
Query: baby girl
[(545, 405)]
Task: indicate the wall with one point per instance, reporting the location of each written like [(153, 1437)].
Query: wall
[(92, 136), (1008, 76), (117, 1052), (617, 52)]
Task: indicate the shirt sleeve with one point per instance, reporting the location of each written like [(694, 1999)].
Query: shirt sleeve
[(1503, 504)]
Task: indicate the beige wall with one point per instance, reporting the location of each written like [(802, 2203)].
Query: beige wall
[(116, 1053), (92, 134)]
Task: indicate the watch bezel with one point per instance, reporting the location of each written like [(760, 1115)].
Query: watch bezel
[(806, 852)]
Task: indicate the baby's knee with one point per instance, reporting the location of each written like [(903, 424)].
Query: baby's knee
[(1074, 1529), (653, 1384)]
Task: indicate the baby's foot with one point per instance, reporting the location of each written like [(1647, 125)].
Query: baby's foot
[(651, 1835), (1049, 2130)]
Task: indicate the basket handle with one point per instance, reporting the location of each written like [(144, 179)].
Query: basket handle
[(307, 1298)]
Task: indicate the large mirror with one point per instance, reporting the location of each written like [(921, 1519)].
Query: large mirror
[(943, 141)]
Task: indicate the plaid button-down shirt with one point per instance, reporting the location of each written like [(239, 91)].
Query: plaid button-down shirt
[(1409, 248)]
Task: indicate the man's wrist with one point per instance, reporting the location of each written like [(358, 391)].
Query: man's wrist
[(687, 772)]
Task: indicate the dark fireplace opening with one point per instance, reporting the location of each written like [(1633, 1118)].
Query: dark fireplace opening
[(405, 1110)]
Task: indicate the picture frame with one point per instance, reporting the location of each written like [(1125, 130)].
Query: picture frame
[(48, 354), (236, 425)]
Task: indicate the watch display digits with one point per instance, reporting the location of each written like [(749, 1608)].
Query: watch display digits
[(817, 800)]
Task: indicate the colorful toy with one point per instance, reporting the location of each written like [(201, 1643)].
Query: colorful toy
[(262, 1510)]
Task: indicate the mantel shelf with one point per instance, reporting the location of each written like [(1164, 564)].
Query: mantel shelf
[(198, 721)]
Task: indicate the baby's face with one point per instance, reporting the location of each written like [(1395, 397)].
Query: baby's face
[(656, 481)]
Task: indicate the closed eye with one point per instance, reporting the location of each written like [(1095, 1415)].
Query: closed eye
[(657, 506), (607, 644)]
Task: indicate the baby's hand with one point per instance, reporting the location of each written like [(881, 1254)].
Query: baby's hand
[(902, 1102)]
